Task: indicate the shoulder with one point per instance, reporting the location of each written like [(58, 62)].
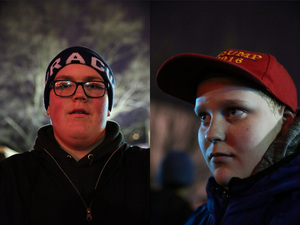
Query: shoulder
[(28, 155), (20, 163), (17, 174), (200, 216), (137, 160), (136, 152), (133, 149)]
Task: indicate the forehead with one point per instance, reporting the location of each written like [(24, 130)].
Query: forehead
[(78, 71), (224, 83), (216, 90)]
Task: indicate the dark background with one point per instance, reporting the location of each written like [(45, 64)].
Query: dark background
[(210, 27)]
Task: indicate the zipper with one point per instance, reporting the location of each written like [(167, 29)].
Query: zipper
[(225, 197), (87, 206)]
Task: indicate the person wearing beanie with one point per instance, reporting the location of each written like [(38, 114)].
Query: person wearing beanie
[(249, 134), (81, 170)]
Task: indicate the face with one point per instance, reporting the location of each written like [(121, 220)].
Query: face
[(237, 127), (78, 121)]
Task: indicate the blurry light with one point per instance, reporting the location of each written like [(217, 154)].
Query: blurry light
[(136, 136)]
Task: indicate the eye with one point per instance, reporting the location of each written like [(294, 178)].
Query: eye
[(95, 85), (233, 112), (204, 118), (63, 84)]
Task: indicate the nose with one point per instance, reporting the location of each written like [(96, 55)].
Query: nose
[(79, 94), (216, 131)]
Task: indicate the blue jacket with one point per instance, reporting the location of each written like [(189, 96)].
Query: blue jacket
[(271, 197)]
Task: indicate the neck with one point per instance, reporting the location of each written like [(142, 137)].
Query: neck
[(79, 151)]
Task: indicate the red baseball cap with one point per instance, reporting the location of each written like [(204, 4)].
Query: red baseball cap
[(180, 75)]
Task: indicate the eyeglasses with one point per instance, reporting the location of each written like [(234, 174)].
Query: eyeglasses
[(67, 88)]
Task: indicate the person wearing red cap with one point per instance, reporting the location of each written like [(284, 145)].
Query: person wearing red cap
[(249, 134), (81, 170)]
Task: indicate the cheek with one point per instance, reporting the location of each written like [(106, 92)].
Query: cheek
[(101, 109), (202, 142), (57, 117), (251, 141), (55, 107), (243, 138), (103, 105)]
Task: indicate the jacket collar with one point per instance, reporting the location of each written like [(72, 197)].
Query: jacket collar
[(282, 147), (112, 141), (243, 194)]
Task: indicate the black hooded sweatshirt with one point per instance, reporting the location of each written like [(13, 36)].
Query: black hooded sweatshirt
[(110, 185)]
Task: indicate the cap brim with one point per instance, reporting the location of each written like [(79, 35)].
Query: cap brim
[(180, 75)]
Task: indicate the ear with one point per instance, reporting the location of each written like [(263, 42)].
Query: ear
[(48, 111), (289, 118), (108, 113)]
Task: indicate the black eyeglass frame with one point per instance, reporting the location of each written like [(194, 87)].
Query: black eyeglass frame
[(77, 84)]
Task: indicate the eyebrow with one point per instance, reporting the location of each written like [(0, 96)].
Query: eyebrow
[(228, 102)]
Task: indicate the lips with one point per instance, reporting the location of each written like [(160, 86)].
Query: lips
[(219, 154), (220, 157), (79, 111)]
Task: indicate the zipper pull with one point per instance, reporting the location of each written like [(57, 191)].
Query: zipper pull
[(225, 195), (89, 214)]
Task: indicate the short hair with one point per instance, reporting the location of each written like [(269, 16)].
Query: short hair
[(273, 103)]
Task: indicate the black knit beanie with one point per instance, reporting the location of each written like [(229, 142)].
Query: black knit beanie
[(80, 55)]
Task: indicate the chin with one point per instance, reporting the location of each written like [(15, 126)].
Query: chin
[(222, 176), (78, 132), (224, 182)]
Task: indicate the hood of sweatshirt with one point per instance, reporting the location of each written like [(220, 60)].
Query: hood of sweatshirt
[(113, 139)]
